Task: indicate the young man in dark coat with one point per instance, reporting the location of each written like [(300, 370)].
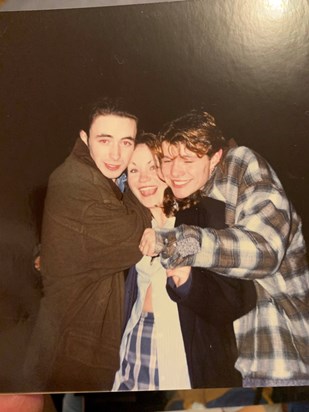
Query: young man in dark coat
[(91, 231)]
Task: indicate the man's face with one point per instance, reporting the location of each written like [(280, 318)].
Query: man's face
[(185, 172), (111, 143)]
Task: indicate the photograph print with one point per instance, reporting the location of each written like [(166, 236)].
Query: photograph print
[(154, 196)]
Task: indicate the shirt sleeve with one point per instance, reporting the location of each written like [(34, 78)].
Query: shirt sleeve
[(113, 230), (254, 247), (103, 230), (183, 290), (233, 297)]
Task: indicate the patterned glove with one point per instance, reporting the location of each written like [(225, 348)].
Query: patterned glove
[(178, 246)]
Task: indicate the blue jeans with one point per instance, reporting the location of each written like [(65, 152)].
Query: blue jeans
[(72, 403), (298, 406)]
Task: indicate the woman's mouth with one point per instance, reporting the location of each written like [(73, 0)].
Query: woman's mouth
[(148, 190)]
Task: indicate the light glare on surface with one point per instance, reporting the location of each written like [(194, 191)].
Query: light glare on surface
[(276, 8)]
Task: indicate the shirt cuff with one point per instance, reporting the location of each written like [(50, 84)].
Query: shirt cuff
[(183, 290)]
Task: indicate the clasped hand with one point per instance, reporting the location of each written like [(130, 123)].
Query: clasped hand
[(148, 248), (148, 243)]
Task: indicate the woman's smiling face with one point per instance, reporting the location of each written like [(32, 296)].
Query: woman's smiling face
[(143, 178)]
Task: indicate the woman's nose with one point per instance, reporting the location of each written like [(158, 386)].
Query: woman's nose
[(144, 177)]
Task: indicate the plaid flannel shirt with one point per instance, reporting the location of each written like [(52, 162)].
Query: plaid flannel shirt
[(263, 242)]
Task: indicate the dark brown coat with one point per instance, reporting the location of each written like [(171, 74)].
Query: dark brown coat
[(90, 235)]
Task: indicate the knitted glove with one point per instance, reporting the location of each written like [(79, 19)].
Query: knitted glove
[(178, 246)]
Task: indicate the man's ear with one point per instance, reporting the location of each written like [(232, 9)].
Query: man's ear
[(83, 135), (215, 159)]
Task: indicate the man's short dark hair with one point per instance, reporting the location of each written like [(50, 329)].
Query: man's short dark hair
[(102, 107)]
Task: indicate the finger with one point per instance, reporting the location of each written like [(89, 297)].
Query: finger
[(147, 249), (25, 403), (151, 249)]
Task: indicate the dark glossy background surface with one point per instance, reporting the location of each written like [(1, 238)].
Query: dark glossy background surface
[(245, 61)]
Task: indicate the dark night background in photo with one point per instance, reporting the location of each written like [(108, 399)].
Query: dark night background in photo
[(245, 61)]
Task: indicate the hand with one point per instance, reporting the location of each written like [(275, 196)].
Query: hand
[(180, 275), (24, 403), (148, 243)]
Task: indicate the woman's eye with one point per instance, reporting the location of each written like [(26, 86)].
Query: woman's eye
[(128, 142), (133, 170)]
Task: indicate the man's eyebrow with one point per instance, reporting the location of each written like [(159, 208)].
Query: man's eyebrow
[(187, 156), (128, 138), (111, 137), (104, 135)]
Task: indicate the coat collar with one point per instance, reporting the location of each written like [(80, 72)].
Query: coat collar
[(81, 151)]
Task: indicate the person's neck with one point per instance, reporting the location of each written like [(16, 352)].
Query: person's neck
[(158, 215)]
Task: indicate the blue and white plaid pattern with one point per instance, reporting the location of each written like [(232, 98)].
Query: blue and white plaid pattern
[(263, 242), (139, 368)]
